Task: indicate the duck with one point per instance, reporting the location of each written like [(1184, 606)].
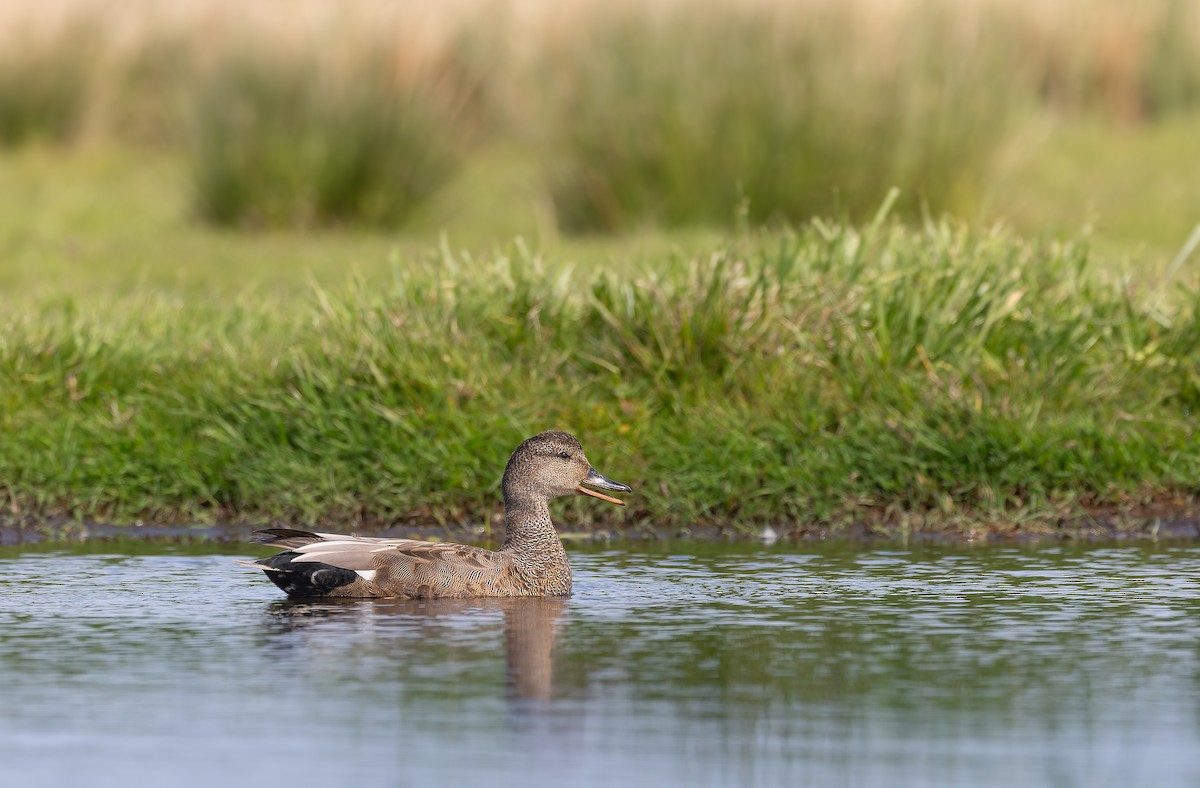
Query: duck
[(532, 561)]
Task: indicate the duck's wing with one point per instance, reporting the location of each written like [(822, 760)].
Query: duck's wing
[(403, 567), (363, 554)]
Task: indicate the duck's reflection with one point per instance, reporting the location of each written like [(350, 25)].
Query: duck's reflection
[(427, 631), (531, 628)]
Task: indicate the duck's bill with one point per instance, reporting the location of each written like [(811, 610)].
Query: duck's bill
[(595, 479)]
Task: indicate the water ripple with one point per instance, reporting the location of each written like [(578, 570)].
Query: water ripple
[(697, 666)]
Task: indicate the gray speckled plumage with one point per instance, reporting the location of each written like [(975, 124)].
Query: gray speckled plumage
[(532, 561)]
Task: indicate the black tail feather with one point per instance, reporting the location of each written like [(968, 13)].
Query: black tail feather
[(305, 579)]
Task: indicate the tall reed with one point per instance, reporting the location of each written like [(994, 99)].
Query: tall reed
[(46, 85), (695, 116), (294, 139)]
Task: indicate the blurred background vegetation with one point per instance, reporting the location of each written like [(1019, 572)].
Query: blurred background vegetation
[(586, 117)]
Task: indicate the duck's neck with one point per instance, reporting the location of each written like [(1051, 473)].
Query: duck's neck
[(528, 529)]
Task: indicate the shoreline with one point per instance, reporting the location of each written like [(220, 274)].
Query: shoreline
[(1183, 525)]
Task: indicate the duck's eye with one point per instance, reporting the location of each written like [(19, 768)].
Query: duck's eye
[(564, 455)]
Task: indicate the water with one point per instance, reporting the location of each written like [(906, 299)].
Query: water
[(684, 665)]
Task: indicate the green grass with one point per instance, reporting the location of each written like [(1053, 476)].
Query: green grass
[(823, 377)]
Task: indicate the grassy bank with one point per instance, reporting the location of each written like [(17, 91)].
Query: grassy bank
[(825, 377)]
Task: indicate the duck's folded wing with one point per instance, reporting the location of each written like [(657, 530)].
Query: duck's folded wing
[(363, 554)]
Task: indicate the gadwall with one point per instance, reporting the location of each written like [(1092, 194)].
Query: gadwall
[(532, 561)]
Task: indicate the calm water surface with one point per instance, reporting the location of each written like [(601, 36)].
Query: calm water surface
[(683, 665)]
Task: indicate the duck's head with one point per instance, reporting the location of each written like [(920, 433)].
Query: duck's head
[(552, 464)]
